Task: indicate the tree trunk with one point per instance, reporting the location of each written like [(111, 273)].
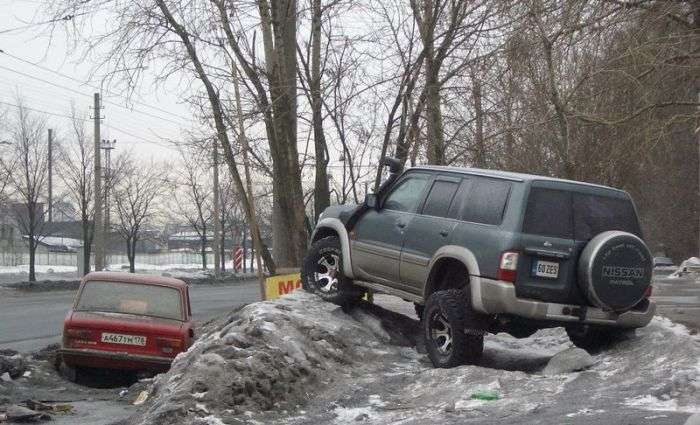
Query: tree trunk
[(322, 194), (216, 241), (86, 247), (222, 250), (204, 251), (289, 234), (480, 157), (436, 139), (32, 258), (427, 22), (131, 254)]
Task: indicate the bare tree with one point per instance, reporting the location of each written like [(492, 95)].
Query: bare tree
[(135, 194), (27, 171), (75, 169), (192, 196)]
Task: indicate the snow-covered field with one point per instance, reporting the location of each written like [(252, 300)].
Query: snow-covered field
[(299, 360)]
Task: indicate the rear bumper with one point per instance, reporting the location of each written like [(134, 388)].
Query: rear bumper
[(498, 297), (113, 360)]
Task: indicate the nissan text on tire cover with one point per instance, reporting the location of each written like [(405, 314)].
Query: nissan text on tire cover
[(481, 251)]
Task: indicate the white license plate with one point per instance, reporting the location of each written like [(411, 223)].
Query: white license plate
[(123, 339), (548, 269)]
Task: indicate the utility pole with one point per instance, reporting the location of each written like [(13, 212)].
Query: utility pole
[(217, 212), (108, 145), (98, 223), (697, 136), (50, 154)]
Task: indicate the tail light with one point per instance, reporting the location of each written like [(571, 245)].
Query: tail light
[(508, 266), (73, 335), (169, 345), (648, 291)]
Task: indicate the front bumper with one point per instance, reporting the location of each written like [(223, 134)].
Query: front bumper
[(498, 297), (113, 360)]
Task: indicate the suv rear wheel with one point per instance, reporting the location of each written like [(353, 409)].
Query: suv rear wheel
[(594, 339), (322, 273), (448, 338)]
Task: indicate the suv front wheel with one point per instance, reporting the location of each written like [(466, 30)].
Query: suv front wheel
[(322, 273), (448, 338)]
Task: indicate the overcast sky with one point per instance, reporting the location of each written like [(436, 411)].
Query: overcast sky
[(139, 125)]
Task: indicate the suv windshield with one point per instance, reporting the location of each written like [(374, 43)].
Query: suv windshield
[(580, 216), (131, 298)]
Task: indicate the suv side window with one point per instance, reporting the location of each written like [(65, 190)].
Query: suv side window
[(440, 198), (406, 196), (483, 200)]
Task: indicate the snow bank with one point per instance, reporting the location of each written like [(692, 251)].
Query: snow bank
[(269, 355), (689, 267), (38, 268), (299, 360)]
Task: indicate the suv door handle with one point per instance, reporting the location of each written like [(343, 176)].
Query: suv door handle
[(444, 233)]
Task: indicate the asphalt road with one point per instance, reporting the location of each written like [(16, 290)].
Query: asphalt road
[(32, 320), (679, 300)]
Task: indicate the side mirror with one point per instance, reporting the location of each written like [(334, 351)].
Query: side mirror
[(371, 200)]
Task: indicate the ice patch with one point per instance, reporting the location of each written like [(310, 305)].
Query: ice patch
[(649, 402), (585, 412), (351, 415), (210, 420)]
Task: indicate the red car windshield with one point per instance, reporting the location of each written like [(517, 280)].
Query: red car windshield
[(131, 298)]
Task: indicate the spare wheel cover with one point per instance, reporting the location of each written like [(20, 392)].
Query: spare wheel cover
[(615, 269)]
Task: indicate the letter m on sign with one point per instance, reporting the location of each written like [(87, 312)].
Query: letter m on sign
[(285, 287)]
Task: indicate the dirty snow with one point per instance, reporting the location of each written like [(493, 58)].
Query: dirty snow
[(299, 360)]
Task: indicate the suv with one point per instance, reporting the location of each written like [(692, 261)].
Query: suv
[(482, 251)]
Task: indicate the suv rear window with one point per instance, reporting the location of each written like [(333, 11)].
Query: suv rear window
[(580, 216)]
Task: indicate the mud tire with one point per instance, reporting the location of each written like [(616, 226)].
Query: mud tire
[(450, 307), (344, 292)]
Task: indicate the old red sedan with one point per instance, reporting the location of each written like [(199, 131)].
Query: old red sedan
[(127, 321)]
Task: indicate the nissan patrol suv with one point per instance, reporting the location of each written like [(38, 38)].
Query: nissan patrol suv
[(482, 251)]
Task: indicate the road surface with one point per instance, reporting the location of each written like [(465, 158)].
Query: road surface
[(32, 320)]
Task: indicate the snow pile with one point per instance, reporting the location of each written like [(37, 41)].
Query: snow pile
[(299, 360), (268, 355), (689, 267)]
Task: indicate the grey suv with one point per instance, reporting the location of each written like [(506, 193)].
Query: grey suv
[(482, 251)]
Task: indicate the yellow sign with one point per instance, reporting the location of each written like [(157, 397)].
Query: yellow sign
[(276, 286)]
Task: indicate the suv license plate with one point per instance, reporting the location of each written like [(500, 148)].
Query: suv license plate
[(546, 269), (123, 339)]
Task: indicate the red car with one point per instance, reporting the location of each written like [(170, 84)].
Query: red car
[(127, 321)]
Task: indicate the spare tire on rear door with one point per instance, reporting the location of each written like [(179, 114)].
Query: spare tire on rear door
[(615, 270)]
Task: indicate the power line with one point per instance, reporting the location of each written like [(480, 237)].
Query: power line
[(85, 94), (35, 24), (163, 145), (41, 111), (93, 86)]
